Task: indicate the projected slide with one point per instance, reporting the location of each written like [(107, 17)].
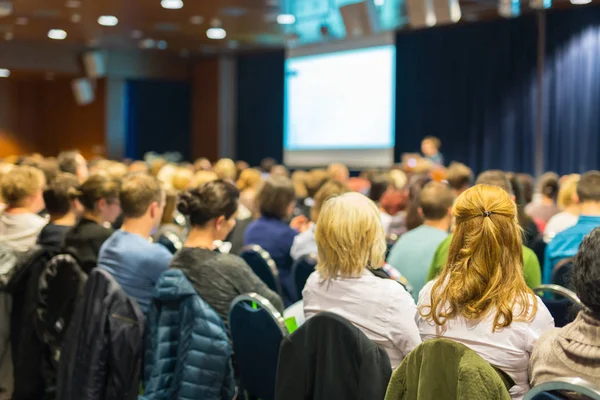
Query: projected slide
[(341, 101)]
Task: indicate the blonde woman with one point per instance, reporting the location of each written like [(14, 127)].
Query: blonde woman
[(351, 241), (568, 202), (480, 298), (225, 169)]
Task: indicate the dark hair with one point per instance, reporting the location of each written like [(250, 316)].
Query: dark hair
[(96, 187), (138, 191), (435, 199), (67, 161), (267, 164), (209, 201), (275, 196), (495, 177), (530, 231), (56, 194), (379, 185), (548, 185), (459, 176), (588, 187), (526, 182), (415, 185), (586, 272)]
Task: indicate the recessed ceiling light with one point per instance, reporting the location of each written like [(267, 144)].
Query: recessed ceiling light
[(216, 33), (4, 73), (108, 20), (286, 19), (161, 44), (171, 4), (73, 4), (9, 36), (580, 2), (196, 20), (6, 8), (76, 18), (21, 21), (57, 34)]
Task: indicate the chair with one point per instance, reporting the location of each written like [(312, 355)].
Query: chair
[(301, 270), (564, 388), (563, 309), (257, 330), (171, 241), (263, 266), (561, 274)]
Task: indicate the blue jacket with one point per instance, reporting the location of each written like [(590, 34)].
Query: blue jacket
[(188, 355)]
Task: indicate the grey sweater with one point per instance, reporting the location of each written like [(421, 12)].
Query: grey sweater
[(219, 278)]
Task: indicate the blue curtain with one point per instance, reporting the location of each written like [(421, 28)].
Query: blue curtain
[(474, 87), (572, 91)]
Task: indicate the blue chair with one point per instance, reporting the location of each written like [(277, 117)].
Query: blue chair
[(301, 270), (257, 330), (564, 388), (563, 305), (263, 266)]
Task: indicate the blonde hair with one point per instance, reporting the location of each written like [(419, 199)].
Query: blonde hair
[(567, 190), (182, 179), (350, 237), (225, 169), (20, 183), (338, 172), (201, 177), (330, 189), (249, 179), (299, 179), (484, 271)]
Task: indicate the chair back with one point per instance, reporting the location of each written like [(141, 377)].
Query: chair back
[(561, 274), (564, 388), (563, 305), (263, 266), (301, 270), (257, 330)]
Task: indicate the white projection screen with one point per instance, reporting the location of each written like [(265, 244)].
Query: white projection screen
[(340, 104)]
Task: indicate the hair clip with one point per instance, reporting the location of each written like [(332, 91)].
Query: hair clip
[(487, 213)]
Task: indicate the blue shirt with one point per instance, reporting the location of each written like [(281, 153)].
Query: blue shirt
[(412, 255), (566, 243), (135, 263)]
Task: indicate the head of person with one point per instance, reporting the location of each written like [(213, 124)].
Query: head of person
[(171, 199), (350, 237), (99, 196), (142, 198), (435, 202), (495, 177), (267, 164), (241, 166), (49, 167), (331, 189), (484, 271), (548, 185), (414, 218), (57, 196), (430, 146), (225, 169), (459, 177), (23, 188), (202, 164), (567, 194), (211, 207), (139, 166), (73, 163), (586, 272), (156, 166), (276, 198), (182, 179), (588, 188), (299, 179), (280, 170), (201, 177), (250, 178), (379, 185), (339, 172), (316, 179), (526, 181)]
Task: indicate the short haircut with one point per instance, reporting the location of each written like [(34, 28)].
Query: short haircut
[(57, 194), (20, 183), (437, 143), (201, 177), (567, 189), (588, 187), (138, 191), (548, 185), (209, 201), (67, 161), (96, 187), (349, 236), (250, 178), (586, 271), (435, 200), (267, 164), (495, 177), (459, 176), (526, 182), (379, 185), (182, 179), (331, 189), (316, 179), (275, 196), (225, 168)]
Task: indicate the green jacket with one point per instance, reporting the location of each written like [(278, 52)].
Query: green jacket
[(532, 271), (441, 369)]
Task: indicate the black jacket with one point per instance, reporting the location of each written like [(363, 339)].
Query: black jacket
[(84, 241), (102, 349), (328, 358)]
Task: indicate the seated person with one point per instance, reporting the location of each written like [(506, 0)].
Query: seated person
[(351, 242), (531, 234), (430, 147), (411, 255), (568, 203), (305, 243), (248, 184), (276, 200), (480, 298), (20, 223), (63, 210), (459, 177), (99, 197), (531, 265), (72, 162), (217, 277), (566, 243), (339, 172), (134, 262), (546, 207), (574, 350)]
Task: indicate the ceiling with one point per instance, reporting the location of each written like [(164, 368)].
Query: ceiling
[(250, 24)]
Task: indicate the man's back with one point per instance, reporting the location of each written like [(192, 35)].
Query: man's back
[(135, 263)]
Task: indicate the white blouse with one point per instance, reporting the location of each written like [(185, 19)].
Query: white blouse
[(380, 308), (508, 349)]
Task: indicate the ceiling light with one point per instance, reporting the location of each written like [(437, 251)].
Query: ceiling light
[(76, 18), (108, 20), (580, 2), (196, 20), (57, 34), (171, 4), (73, 4), (4, 73), (6, 8), (216, 33), (286, 19), (161, 45)]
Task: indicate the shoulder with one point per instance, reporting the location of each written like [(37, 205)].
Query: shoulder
[(529, 257), (425, 293)]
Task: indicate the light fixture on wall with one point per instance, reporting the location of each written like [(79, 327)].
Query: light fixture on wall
[(580, 2), (172, 4), (57, 34), (108, 20), (4, 73), (286, 19), (215, 31), (6, 8)]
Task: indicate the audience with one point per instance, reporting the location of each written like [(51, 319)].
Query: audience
[(380, 184), (168, 223), (63, 210), (566, 243), (248, 184), (266, 165), (415, 185), (574, 350), (134, 262), (546, 207), (430, 147), (459, 177), (225, 169), (351, 241), (201, 177), (568, 203), (280, 170), (22, 192), (73, 162), (339, 172), (481, 299), (531, 234), (526, 181), (217, 277), (413, 252), (531, 264)]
